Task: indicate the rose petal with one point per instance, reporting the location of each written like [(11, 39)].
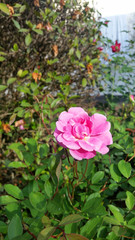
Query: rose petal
[(56, 132), (95, 142), (106, 138), (82, 154), (76, 110), (68, 144), (86, 145), (64, 117), (100, 125), (103, 149), (60, 126)]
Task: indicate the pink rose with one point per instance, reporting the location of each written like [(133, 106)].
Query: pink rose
[(82, 134), (116, 47), (132, 98)]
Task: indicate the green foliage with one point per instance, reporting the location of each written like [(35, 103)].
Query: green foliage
[(45, 193)]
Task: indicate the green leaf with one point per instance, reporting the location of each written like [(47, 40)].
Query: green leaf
[(4, 8), (17, 25), (15, 147), (4, 200), (78, 54), (15, 228), (32, 145), (94, 207), (11, 209), (2, 59), (28, 39), (130, 200), (131, 181), (24, 103), (15, 47), (55, 102), (22, 8), (11, 80), (89, 229), (95, 60), (71, 51), (111, 220), (14, 191), (125, 168), (58, 169), (46, 221), (3, 53), (132, 227), (118, 230), (98, 176), (43, 151), (39, 31), (24, 89), (74, 236), (131, 221), (24, 30), (115, 174), (71, 219), (84, 82), (55, 206), (112, 236), (3, 227), (28, 158), (116, 212), (2, 87), (38, 201), (17, 165), (46, 233), (75, 42), (117, 146), (50, 62), (48, 188)]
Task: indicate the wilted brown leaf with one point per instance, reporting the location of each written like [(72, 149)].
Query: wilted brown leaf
[(40, 26), (89, 67), (36, 76), (76, 14), (62, 3), (11, 10), (55, 50), (6, 127), (87, 9), (20, 122), (36, 3)]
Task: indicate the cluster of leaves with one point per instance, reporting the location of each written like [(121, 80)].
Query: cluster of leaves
[(50, 195), (56, 39)]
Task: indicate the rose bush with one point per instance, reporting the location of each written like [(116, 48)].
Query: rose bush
[(82, 134)]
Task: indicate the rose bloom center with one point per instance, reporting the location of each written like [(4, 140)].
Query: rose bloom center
[(80, 131)]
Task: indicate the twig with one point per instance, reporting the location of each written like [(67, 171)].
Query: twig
[(131, 158), (49, 133), (127, 237), (85, 170), (68, 157), (76, 169), (34, 237), (55, 193)]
